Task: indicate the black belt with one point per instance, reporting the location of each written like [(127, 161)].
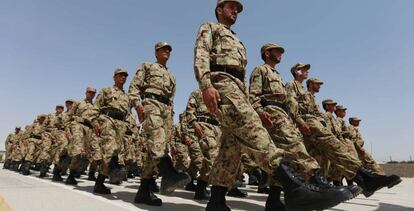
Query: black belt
[(208, 120), (232, 71), (115, 114), (265, 103), (158, 98), (36, 136), (87, 124)]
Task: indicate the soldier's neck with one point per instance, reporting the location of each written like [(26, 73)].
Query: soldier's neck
[(228, 25), (272, 64), (120, 86), (299, 80)]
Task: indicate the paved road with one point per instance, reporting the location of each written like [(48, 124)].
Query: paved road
[(29, 193)]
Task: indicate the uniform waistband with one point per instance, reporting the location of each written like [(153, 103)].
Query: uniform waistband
[(232, 71)]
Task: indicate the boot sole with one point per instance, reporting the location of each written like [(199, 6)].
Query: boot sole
[(178, 184), (311, 207), (396, 182), (150, 204)]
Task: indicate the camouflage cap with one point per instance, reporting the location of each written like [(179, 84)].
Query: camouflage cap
[(120, 70), (329, 102), (42, 116), (354, 119), (162, 45), (240, 5), (18, 127), (69, 101), (299, 66), (340, 107), (91, 89), (269, 46), (60, 106), (314, 80)]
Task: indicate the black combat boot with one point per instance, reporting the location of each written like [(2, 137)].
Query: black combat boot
[(26, 167), (154, 186), (236, 192), (218, 199), (100, 186), (371, 182), (6, 164), (201, 192), (16, 165), (273, 202), (254, 176), (171, 178), (262, 188), (191, 186), (145, 195), (91, 176), (71, 178), (320, 181), (56, 175), (303, 196), (44, 167)]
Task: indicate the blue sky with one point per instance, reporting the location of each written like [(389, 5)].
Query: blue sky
[(363, 51)]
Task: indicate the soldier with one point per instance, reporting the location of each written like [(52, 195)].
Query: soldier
[(11, 142), (112, 107), (80, 132), (32, 143), (152, 89), (364, 155), (219, 65), (58, 126), (207, 131), (273, 103), (322, 139)]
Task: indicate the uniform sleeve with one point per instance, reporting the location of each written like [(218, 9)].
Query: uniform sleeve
[(134, 90), (191, 109), (202, 49), (96, 109), (256, 90), (292, 103)]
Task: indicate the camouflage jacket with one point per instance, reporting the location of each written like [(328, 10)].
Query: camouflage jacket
[(217, 44), (355, 136), (196, 108), (56, 121), (152, 78), (113, 99), (266, 85), (82, 111), (333, 125), (308, 105), (12, 139)]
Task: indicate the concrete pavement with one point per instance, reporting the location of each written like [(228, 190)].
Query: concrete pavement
[(29, 193)]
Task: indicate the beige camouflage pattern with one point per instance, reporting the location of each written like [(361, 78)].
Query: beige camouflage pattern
[(323, 142), (154, 78), (266, 85)]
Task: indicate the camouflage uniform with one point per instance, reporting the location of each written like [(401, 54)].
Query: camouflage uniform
[(322, 141), (156, 85), (56, 126), (179, 150), (11, 143), (220, 62), (196, 112), (268, 94), (34, 141), (366, 158), (112, 107)]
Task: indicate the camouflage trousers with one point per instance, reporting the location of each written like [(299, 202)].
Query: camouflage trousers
[(140, 150), (19, 151), (32, 149), (95, 153), (80, 136), (323, 141), (179, 155), (286, 136), (334, 172), (241, 127), (368, 161), (45, 148), (209, 145), (129, 150), (59, 145), (112, 141), (158, 129)]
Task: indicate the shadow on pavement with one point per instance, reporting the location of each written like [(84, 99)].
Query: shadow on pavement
[(388, 207)]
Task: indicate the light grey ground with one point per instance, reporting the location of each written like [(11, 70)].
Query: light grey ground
[(27, 193)]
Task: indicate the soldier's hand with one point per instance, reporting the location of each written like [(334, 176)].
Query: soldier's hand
[(97, 129), (140, 111), (305, 129), (266, 119), (211, 98), (198, 129)]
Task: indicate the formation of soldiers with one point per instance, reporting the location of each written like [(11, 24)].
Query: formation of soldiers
[(274, 132)]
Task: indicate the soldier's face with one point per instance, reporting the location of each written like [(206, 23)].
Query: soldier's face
[(41, 120), (163, 53), (331, 107), (355, 123), (340, 113), (90, 95), (120, 78), (315, 87), (303, 74), (229, 12), (275, 55), (59, 110), (68, 105), (17, 130)]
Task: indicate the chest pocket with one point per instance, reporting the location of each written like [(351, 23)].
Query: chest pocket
[(276, 86), (155, 78), (230, 51)]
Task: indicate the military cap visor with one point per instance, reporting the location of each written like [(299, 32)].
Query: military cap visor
[(341, 107), (315, 81), (162, 45), (269, 46), (90, 89), (329, 102), (120, 71), (60, 106), (299, 66), (239, 4), (69, 101), (355, 119)]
